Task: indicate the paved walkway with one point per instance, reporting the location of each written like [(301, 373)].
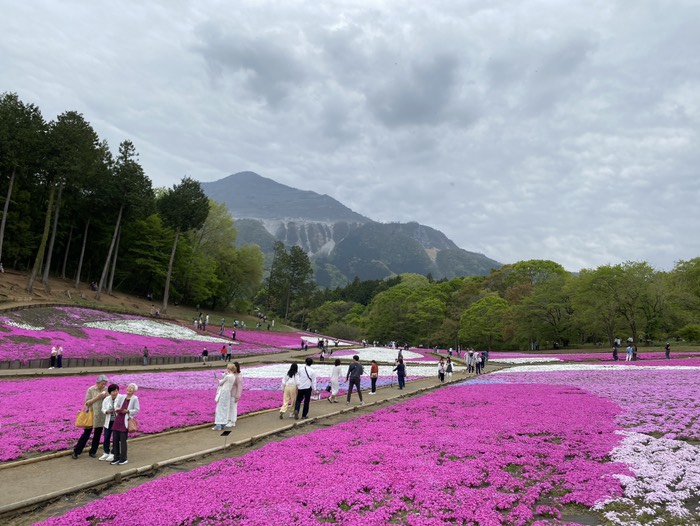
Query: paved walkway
[(32, 482)]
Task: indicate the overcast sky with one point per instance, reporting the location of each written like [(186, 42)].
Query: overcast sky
[(563, 130)]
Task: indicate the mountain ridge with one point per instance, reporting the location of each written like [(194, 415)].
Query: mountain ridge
[(341, 243)]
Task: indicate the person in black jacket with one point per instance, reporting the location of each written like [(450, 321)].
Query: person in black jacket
[(401, 372), (353, 377)]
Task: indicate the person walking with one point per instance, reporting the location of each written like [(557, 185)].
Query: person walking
[(630, 350), (229, 352), (236, 392), (110, 411), (223, 398), (441, 370), (145, 355), (470, 361), (306, 384), (448, 369), (205, 354), (127, 408), (667, 350), (353, 377), (477, 361), (336, 372), (373, 375), (289, 389), (400, 372), (93, 404)]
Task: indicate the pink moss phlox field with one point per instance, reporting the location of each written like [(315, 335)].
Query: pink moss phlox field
[(643, 356), (66, 327), (29, 425), (655, 400), (526, 451), (288, 340)]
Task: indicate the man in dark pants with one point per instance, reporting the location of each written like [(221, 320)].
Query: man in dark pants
[(353, 377), (93, 402), (306, 384)]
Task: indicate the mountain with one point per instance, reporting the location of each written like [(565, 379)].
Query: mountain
[(342, 243)]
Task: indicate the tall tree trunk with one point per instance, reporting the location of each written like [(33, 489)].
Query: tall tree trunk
[(114, 262), (42, 245), (286, 308), (166, 292), (47, 265), (65, 256), (5, 209), (109, 254), (82, 255)]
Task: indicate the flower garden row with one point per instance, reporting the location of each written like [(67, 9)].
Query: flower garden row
[(194, 392), (85, 333), (643, 356), (535, 445)]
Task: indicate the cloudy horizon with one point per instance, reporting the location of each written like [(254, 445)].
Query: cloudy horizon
[(529, 130)]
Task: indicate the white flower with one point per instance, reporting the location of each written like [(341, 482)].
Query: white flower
[(152, 328), (524, 360), (24, 326)]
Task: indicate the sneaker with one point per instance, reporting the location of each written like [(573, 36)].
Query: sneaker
[(216, 428), (281, 415), (114, 462), (330, 401), (109, 458), (230, 424), (371, 393), (123, 462), (296, 415), (347, 402), (304, 417), (93, 455), (74, 455), (362, 403), (104, 457)]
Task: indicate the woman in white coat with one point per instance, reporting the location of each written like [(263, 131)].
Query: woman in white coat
[(223, 398), (335, 382)]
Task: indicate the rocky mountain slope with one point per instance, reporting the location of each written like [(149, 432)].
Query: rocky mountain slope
[(342, 243)]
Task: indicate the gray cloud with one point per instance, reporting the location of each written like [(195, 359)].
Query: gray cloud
[(562, 131)]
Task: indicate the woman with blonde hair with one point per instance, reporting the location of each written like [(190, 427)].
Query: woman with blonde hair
[(223, 398)]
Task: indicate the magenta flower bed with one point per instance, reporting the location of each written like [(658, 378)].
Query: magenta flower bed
[(656, 400), (540, 447), (272, 338), (20, 432), (194, 390), (597, 356), (66, 327)]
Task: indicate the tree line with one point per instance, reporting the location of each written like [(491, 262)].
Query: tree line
[(75, 209), (526, 305)]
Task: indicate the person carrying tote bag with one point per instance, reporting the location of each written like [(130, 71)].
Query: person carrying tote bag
[(93, 407)]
